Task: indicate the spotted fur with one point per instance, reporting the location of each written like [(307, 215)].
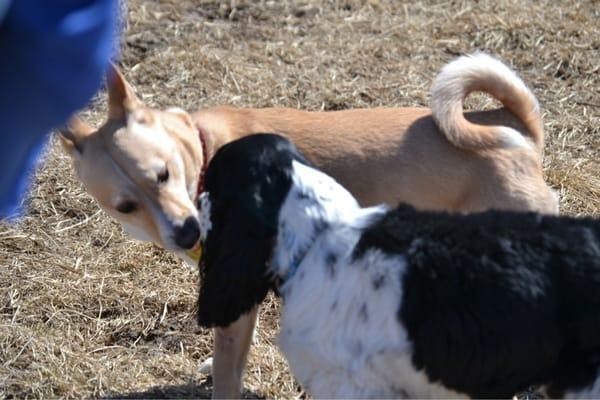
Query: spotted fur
[(399, 303)]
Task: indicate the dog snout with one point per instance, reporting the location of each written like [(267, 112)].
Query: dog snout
[(187, 234)]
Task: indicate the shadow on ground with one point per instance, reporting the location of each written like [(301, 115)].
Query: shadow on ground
[(191, 390)]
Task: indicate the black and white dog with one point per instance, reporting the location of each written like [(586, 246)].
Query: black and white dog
[(399, 303)]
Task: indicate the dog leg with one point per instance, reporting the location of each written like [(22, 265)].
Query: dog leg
[(231, 349)]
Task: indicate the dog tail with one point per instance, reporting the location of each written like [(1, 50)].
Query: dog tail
[(480, 72)]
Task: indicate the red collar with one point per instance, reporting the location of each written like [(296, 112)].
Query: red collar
[(204, 162)]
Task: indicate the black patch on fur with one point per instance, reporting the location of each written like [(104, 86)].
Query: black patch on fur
[(302, 195), (357, 349), (363, 313), (378, 282), (248, 181), (497, 301), (300, 254), (320, 226), (330, 260), (334, 305)]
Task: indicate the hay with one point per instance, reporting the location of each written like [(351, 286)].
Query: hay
[(85, 311)]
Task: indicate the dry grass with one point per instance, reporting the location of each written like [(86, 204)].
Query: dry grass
[(86, 312)]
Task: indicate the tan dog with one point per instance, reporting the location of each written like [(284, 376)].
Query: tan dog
[(144, 165)]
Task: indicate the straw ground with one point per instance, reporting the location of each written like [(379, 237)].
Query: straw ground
[(87, 312)]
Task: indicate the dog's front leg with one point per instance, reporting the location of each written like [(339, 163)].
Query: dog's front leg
[(231, 349)]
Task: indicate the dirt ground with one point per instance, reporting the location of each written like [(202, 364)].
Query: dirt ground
[(87, 312)]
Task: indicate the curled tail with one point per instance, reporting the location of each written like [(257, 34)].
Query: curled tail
[(480, 72)]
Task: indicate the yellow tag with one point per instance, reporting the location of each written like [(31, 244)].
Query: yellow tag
[(195, 253)]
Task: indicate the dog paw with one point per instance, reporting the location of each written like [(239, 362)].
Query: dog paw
[(206, 366)]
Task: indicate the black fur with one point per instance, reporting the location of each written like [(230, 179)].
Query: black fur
[(492, 302), (330, 260), (497, 301), (378, 282), (247, 181)]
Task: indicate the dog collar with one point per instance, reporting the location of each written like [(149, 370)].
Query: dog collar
[(200, 187), (195, 253), (298, 258)]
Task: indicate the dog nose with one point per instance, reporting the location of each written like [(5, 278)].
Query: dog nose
[(187, 234)]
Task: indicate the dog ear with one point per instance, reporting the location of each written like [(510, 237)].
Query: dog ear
[(73, 134), (121, 97), (247, 181), (233, 277)]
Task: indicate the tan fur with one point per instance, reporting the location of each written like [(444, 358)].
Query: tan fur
[(392, 155), (480, 72), (380, 155)]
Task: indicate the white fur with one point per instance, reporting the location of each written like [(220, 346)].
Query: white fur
[(204, 220), (314, 199), (453, 82), (510, 138), (590, 392), (177, 110), (340, 333)]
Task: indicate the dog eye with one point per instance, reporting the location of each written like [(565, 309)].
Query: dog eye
[(126, 207), (163, 176)]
